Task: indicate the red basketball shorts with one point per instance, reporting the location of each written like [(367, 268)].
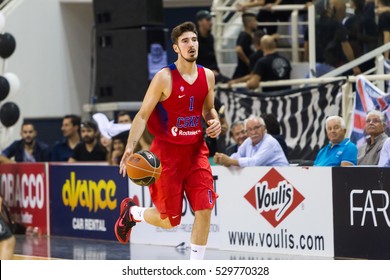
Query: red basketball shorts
[(185, 170)]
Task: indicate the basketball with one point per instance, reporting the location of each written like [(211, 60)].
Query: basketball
[(143, 168)]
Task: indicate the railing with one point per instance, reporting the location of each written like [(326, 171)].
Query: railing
[(8, 6), (227, 25)]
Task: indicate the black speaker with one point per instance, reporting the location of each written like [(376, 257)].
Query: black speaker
[(126, 61), (112, 14)]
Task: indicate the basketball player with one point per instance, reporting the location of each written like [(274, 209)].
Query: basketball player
[(177, 98)]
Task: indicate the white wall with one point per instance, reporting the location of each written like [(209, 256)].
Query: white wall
[(52, 58)]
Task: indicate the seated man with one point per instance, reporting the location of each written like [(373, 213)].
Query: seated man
[(259, 149), (368, 154), (271, 67), (28, 149), (64, 147), (340, 151), (89, 149), (238, 134), (123, 117), (273, 128)]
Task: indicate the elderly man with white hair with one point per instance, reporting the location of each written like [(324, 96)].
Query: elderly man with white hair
[(368, 154), (340, 151), (259, 149)]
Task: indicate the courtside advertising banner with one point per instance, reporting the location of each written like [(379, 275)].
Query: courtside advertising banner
[(24, 189), (85, 200), (276, 210), (361, 198), (147, 234)]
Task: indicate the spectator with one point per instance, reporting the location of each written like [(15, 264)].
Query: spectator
[(383, 10), (259, 149), (271, 67), (362, 32), (146, 139), (64, 147), (206, 54), (384, 157), (89, 149), (331, 43), (108, 128), (238, 134), (273, 128), (123, 117), (244, 45), (118, 144), (369, 153), (28, 149), (214, 144), (253, 58), (7, 239), (266, 14), (340, 151)]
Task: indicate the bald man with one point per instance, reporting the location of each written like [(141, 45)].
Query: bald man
[(271, 67)]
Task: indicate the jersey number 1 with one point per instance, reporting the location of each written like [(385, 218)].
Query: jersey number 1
[(191, 103)]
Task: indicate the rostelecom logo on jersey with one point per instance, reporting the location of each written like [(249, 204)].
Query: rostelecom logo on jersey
[(274, 197)]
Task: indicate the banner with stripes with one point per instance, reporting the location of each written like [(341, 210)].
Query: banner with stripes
[(300, 112)]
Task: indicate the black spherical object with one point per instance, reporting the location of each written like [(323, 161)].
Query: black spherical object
[(9, 114), (4, 88), (7, 45)]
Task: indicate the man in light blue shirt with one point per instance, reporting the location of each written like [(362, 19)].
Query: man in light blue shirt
[(384, 158), (340, 151), (259, 149)]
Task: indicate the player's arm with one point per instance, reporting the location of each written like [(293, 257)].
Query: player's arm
[(209, 113), (157, 90)]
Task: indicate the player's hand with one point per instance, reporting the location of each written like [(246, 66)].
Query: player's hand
[(125, 158), (214, 128)]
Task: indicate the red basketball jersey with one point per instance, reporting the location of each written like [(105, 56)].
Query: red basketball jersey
[(178, 119)]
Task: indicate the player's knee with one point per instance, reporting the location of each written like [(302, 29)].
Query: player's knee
[(203, 214)]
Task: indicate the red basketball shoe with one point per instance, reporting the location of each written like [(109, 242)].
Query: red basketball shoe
[(125, 222)]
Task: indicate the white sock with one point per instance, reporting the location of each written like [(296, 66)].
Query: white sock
[(197, 252), (138, 213)]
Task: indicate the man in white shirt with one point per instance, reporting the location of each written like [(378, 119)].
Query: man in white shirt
[(259, 149)]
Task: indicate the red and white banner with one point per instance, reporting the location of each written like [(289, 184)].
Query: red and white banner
[(25, 190)]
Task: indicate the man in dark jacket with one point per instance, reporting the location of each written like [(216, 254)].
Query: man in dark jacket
[(28, 149)]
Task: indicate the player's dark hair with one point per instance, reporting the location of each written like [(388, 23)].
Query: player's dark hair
[(187, 26)]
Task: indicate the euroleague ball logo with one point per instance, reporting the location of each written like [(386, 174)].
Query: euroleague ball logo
[(274, 197)]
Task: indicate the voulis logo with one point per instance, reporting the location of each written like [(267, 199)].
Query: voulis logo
[(274, 197)]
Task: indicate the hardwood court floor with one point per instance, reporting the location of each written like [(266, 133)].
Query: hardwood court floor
[(55, 247)]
